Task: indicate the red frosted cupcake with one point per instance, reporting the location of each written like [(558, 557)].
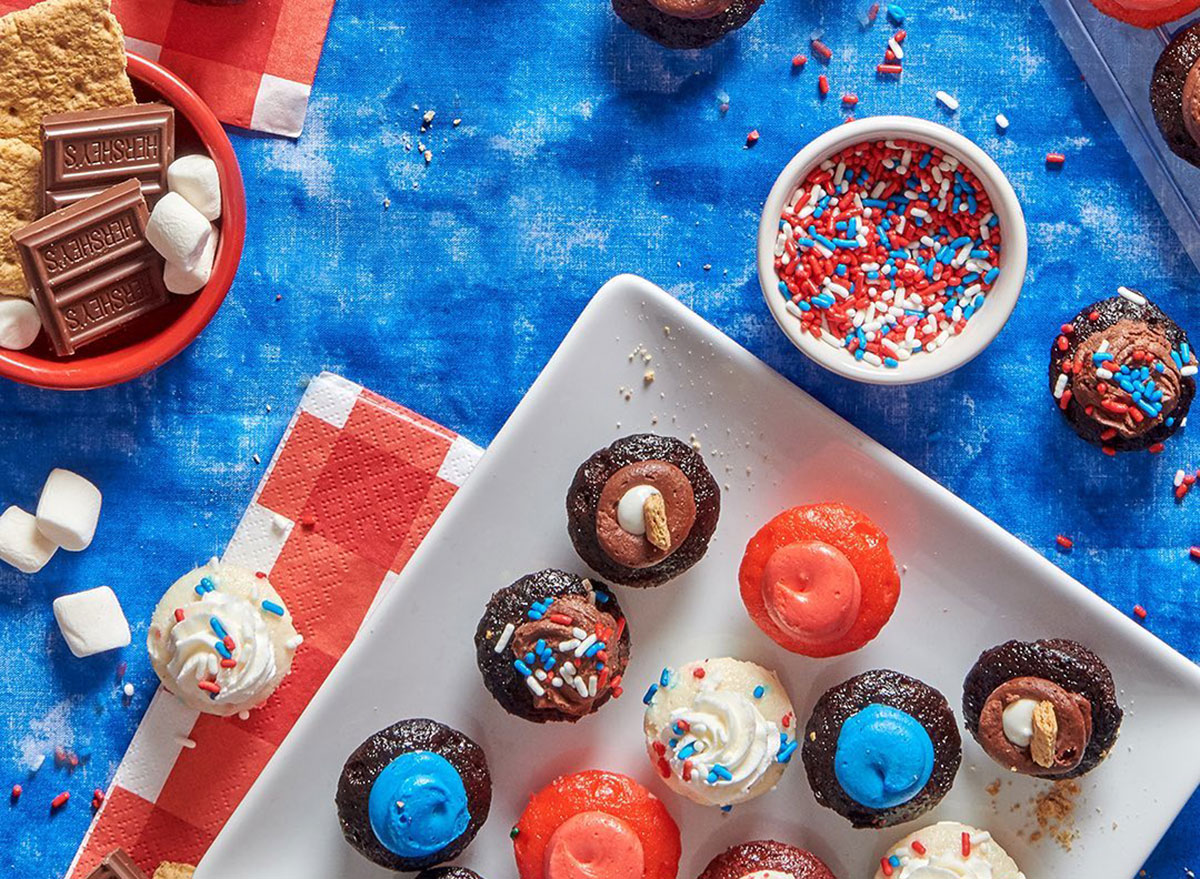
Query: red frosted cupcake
[(1146, 13), (819, 579), (596, 823)]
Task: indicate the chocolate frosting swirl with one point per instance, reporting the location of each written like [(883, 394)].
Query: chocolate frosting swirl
[(636, 550), (1191, 102), (1072, 711), (557, 627)]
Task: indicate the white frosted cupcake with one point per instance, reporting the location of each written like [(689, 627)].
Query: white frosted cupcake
[(719, 731), (221, 639), (948, 850)]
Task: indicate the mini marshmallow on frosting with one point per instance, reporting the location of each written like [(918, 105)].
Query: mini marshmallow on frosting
[(221, 639)]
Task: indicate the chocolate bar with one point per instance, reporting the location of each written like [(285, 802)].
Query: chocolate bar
[(117, 865), (86, 152), (89, 268)]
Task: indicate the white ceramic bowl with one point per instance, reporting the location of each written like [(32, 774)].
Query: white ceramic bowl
[(987, 321)]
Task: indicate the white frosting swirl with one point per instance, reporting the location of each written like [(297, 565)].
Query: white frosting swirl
[(1018, 722), (191, 655), (938, 855), (726, 732), (631, 508)]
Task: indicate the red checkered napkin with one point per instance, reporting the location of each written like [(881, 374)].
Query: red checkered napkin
[(352, 490), (253, 63)]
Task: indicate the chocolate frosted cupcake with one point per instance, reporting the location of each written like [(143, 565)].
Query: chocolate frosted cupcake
[(1123, 373), (643, 510), (1175, 94), (552, 646), (686, 24), (766, 859), (1042, 708), (414, 795), (448, 873), (881, 749)]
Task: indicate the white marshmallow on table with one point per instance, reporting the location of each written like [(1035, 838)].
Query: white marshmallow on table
[(92, 621), (177, 230), (21, 544), (186, 280), (19, 323), (68, 510), (196, 179)]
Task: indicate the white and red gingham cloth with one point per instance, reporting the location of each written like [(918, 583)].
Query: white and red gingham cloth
[(253, 63), (351, 491)]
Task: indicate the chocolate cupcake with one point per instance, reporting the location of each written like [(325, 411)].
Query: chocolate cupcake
[(686, 24), (1123, 373), (642, 511), (552, 646), (881, 749), (414, 795), (1175, 94), (766, 858), (448, 873), (1042, 708)]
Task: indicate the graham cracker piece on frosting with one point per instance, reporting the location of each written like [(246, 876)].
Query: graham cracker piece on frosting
[(169, 870), (18, 207), (55, 57)]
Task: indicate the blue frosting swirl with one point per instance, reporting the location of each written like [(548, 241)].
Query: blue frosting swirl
[(418, 805), (884, 757)]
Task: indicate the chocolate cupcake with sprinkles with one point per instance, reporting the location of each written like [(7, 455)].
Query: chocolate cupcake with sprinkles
[(642, 511), (881, 749), (1123, 374), (553, 647)]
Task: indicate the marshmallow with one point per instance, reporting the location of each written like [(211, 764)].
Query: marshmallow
[(196, 179), (184, 280), (177, 230), (68, 510), (19, 323), (21, 544), (92, 621)]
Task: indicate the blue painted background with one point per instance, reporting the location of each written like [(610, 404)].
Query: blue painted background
[(584, 151)]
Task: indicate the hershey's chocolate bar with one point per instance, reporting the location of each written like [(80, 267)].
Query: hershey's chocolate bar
[(117, 865), (85, 152), (89, 268)]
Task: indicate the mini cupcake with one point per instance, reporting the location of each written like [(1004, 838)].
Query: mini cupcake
[(414, 795), (1175, 94), (819, 580), (1146, 13), (448, 873), (685, 24), (596, 823), (881, 749), (552, 646), (1042, 708), (719, 731), (1123, 374), (948, 849), (221, 639), (766, 859), (643, 510)]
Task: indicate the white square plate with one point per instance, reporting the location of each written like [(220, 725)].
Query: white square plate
[(968, 585)]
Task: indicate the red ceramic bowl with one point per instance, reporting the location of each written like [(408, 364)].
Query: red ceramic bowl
[(154, 338)]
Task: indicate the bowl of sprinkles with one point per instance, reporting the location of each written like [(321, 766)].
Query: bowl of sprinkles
[(891, 250)]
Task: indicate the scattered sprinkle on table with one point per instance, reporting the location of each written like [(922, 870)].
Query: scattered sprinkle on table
[(59, 801), (1064, 541), (752, 138), (1194, 552), (947, 100), (887, 249), (798, 61), (1139, 611), (17, 790), (821, 50), (1055, 160), (823, 85), (1002, 122), (127, 690)]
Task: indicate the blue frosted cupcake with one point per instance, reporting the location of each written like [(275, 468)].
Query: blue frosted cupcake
[(881, 749), (414, 795)]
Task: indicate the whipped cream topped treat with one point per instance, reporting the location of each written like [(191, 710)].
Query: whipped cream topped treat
[(642, 511), (1042, 708), (221, 639), (553, 646), (881, 748), (1123, 373), (948, 850), (414, 795), (595, 825), (766, 859), (719, 731)]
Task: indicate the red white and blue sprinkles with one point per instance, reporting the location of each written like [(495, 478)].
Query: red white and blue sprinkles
[(887, 250)]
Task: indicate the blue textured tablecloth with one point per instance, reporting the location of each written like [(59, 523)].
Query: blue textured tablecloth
[(584, 150)]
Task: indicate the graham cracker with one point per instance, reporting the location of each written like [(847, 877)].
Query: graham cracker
[(169, 870), (18, 207), (55, 57)]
